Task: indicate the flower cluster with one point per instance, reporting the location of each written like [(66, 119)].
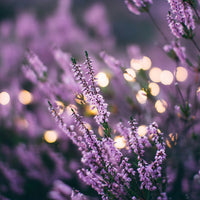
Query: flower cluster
[(148, 172), (176, 51), (89, 89), (180, 19), (106, 168), (117, 158)]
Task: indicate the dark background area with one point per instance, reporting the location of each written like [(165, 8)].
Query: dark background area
[(126, 27)]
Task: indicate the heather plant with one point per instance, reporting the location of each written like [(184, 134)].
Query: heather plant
[(28, 163), (183, 17), (112, 174), (118, 160)]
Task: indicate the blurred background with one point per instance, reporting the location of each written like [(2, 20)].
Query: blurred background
[(37, 160)]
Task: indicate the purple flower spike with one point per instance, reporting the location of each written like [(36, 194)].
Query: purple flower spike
[(180, 19), (90, 90)]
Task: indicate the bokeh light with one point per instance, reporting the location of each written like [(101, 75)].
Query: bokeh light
[(21, 122), (141, 97), (161, 106), (135, 64), (198, 90), (142, 130), (4, 98), (91, 110), (69, 109), (61, 106), (168, 143), (25, 97), (154, 89), (102, 79), (80, 99), (173, 137), (146, 63), (181, 74), (129, 75), (119, 142), (166, 77), (88, 126), (143, 63), (154, 74), (50, 136), (100, 131)]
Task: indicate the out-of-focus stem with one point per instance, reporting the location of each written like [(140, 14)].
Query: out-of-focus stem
[(180, 93), (157, 26), (195, 10), (197, 14), (195, 44)]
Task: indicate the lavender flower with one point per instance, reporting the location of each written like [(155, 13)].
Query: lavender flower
[(61, 191), (106, 169), (180, 19), (76, 195), (176, 51), (107, 166), (163, 196), (15, 181), (103, 157), (132, 8), (38, 67), (148, 172), (138, 6), (69, 130), (90, 91)]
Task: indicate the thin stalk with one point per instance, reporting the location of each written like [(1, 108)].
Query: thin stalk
[(195, 10), (157, 26), (180, 93), (195, 44), (197, 14)]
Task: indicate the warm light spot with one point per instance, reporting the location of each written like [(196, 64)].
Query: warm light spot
[(61, 106), (146, 63), (154, 89), (102, 79), (80, 99), (168, 143), (4, 98), (141, 97), (91, 110), (143, 63), (181, 74), (88, 126), (25, 97), (100, 131), (50, 136), (161, 106), (21, 123), (130, 75), (142, 130), (166, 77), (173, 137), (69, 109), (120, 142), (198, 90), (136, 64), (154, 74)]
